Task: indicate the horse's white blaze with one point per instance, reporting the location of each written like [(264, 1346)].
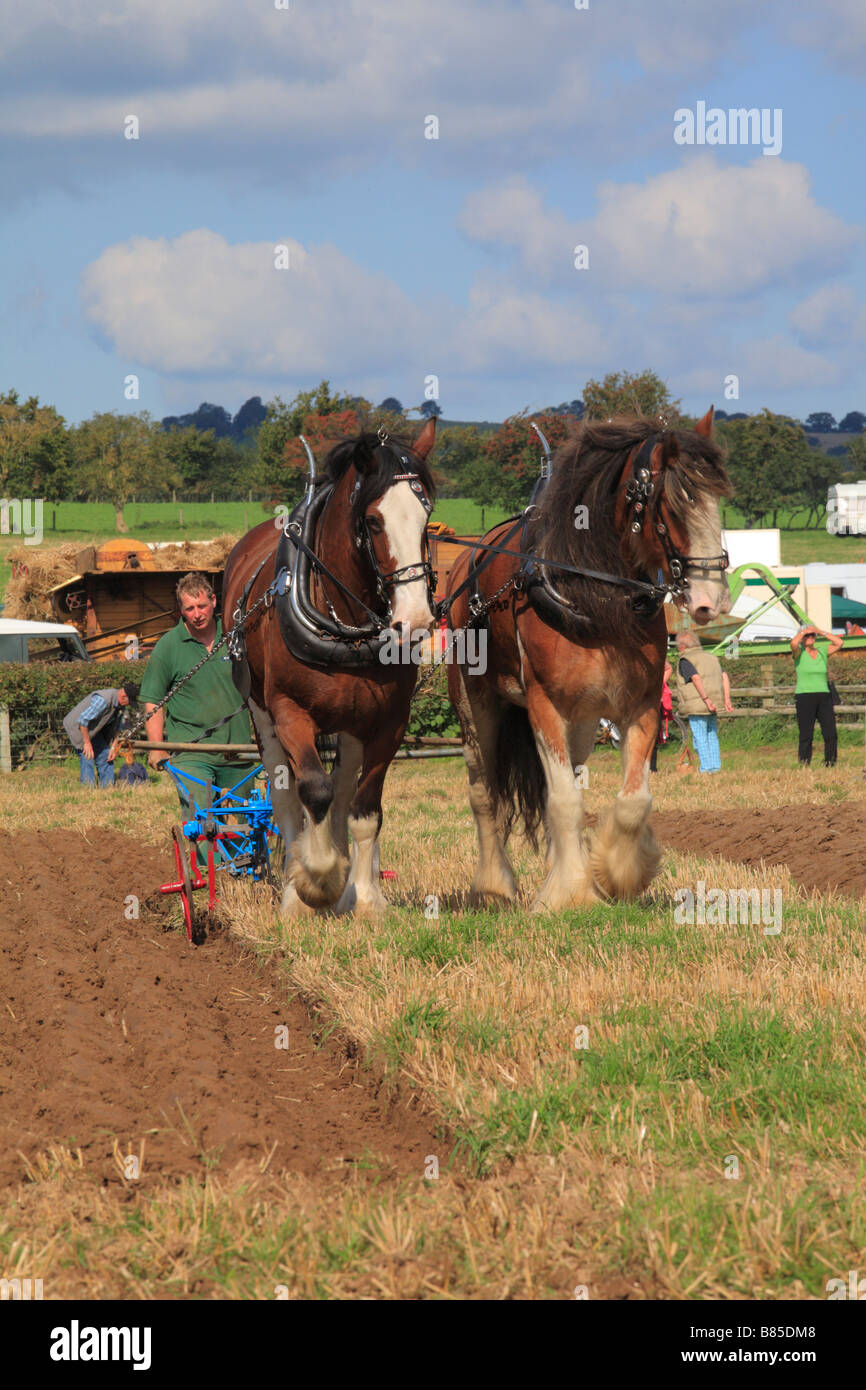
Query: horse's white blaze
[(706, 596), (405, 520)]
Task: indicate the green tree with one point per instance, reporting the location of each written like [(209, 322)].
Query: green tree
[(284, 423), (769, 461), (510, 460), (119, 455), (628, 393), (191, 454), (35, 453), (459, 454)]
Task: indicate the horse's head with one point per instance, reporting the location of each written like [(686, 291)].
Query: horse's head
[(668, 505), (391, 497)]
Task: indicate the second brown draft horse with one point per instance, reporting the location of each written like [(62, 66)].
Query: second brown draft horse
[(626, 501)]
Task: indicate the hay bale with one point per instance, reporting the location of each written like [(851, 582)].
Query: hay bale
[(36, 570), (194, 555)]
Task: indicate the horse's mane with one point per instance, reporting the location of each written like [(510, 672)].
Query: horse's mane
[(377, 466), (586, 472)]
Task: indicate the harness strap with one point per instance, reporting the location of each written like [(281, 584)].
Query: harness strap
[(444, 608), (656, 591)]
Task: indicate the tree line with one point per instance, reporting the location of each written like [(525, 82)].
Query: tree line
[(116, 457)]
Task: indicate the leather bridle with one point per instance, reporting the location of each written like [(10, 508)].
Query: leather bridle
[(638, 491), (405, 574)]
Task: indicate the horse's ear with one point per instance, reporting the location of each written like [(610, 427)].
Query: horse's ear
[(426, 439), (705, 426)]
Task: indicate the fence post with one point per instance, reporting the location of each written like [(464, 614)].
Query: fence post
[(5, 740), (180, 516), (767, 679)]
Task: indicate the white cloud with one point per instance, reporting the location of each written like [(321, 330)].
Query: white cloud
[(217, 82), (199, 304), (831, 317), (835, 27), (702, 231)]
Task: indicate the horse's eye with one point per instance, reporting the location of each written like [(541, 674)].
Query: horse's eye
[(374, 525)]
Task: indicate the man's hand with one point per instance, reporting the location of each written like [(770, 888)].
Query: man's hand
[(88, 750), (729, 709), (156, 757), (710, 706)]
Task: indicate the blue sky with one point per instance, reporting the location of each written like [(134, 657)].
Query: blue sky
[(411, 257)]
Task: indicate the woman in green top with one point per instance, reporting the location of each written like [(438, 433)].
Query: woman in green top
[(812, 691)]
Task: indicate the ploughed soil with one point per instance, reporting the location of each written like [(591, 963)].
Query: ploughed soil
[(112, 1029), (824, 847)]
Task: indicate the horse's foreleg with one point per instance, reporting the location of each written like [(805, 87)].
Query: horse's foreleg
[(625, 855), (316, 868), (344, 779), (561, 748), (362, 892), (479, 724), (288, 811)]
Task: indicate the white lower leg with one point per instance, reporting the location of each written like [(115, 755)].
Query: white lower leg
[(318, 869), (568, 882), (362, 891), (625, 855)]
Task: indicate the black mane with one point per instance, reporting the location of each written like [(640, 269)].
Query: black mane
[(377, 466)]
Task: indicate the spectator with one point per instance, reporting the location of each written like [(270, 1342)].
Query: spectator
[(702, 686), (812, 696), (92, 727), (666, 709)]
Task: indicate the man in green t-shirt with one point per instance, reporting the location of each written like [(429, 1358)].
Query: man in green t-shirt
[(203, 701), (812, 691)]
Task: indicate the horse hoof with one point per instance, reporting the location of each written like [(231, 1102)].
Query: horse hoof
[(322, 889)]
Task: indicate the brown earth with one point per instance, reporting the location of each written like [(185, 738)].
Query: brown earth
[(117, 1029), (823, 846)]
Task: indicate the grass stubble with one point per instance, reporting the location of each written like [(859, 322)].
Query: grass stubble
[(630, 1107)]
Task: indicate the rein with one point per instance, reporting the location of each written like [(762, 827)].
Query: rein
[(647, 595)]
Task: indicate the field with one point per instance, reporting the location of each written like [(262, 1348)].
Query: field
[(618, 1101), (92, 522)]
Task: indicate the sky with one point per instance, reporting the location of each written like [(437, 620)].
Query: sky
[(429, 172)]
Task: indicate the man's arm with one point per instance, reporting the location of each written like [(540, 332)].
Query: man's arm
[(155, 725), (96, 707), (699, 687), (726, 687)]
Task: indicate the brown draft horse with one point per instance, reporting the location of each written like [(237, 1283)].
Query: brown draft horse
[(529, 723), (371, 535)]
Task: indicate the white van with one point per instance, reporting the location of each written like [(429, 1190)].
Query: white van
[(23, 641)]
